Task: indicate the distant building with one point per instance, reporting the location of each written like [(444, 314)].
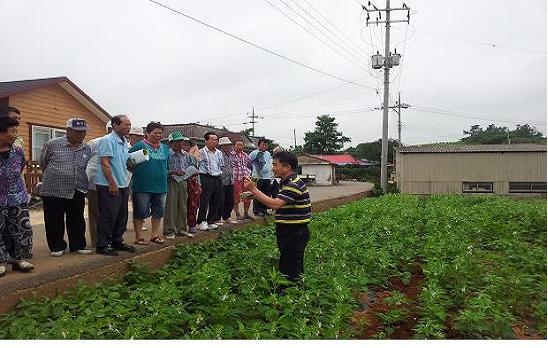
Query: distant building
[(321, 171), (516, 169), (340, 160), (196, 132)]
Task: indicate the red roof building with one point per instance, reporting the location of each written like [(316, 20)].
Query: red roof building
[(340, 160)]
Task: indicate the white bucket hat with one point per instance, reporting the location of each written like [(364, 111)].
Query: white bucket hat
[(225, 141), (136, 131)]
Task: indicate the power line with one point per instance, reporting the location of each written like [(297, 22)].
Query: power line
[(470, 115), (358, 58), (233, 115), (315, 106), (257, 46), (493, 45), (314, 35), (352, 43), (306, 96)]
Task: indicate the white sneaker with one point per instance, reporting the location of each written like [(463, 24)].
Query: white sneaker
[(169, 236), (84, 251), (213, 226), (204, 226), (57, 253), (23, 266), (2, 270)]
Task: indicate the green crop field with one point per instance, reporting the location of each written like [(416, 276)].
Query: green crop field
[(398, 266)]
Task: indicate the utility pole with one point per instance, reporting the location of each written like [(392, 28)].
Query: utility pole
[(397, 108), (253, 117), (388, 61), (295, 137)]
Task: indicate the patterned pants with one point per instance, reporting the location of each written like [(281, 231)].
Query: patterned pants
[(15, 233), (193, 202)]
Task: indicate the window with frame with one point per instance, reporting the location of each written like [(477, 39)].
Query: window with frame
[(526, 187), (41, 135), (477, 187)]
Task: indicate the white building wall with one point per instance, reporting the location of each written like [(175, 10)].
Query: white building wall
[(324, 173)]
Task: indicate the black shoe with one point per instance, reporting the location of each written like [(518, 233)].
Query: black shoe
[(108, 250), (125, 247)]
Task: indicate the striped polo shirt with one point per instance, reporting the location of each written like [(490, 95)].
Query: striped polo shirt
[(297, 209)]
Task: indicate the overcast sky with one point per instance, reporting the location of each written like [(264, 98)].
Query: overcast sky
[(463, 62)]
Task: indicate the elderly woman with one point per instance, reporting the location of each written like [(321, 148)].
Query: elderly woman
[(194, 188), (14, 212), (149, 184)]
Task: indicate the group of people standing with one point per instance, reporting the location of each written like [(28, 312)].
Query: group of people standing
[(191, 189)]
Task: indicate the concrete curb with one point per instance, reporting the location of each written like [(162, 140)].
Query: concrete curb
[(113, 271)]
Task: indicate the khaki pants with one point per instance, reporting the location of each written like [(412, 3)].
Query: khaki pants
[(175, 209)]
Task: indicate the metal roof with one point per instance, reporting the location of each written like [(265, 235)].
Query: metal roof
[(473, 148)]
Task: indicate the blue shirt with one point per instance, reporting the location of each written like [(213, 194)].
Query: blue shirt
[(262, 164), (116, 149), (211, 162)]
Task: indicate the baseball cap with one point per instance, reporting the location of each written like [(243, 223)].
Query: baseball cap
[(77, 124)]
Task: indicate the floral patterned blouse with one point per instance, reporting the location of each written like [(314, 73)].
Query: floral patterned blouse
[(12, 190)]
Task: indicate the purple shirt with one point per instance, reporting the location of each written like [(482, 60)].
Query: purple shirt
[(12, 191)]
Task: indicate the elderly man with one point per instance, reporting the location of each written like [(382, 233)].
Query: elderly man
[(227, 176), (262, 172), (64, 187), (112, 183), (211, 162), (242, 169), (175, 216)]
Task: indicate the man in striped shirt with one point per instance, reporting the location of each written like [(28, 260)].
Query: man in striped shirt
[(293, 212)]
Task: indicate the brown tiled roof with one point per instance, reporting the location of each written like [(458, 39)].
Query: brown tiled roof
[(473, 148), (196, 132)]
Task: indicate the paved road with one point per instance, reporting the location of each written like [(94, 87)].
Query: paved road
[(49, 268)]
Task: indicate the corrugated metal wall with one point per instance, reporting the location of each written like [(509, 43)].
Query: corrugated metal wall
[(425, 173)]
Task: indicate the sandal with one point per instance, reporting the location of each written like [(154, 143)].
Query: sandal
[(157, 239), (141, 241)]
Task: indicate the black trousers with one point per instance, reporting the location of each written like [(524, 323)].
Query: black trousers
[(210, 199), (292, 240), (112, 216), (59, 212), (264, 186), (227, 201)]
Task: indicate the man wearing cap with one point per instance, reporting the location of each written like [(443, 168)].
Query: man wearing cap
[(175, 214), (64, 187), (227, 176)]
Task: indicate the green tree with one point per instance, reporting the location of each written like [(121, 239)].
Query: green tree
[(325, 139), (373, 150), (501, 135)]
